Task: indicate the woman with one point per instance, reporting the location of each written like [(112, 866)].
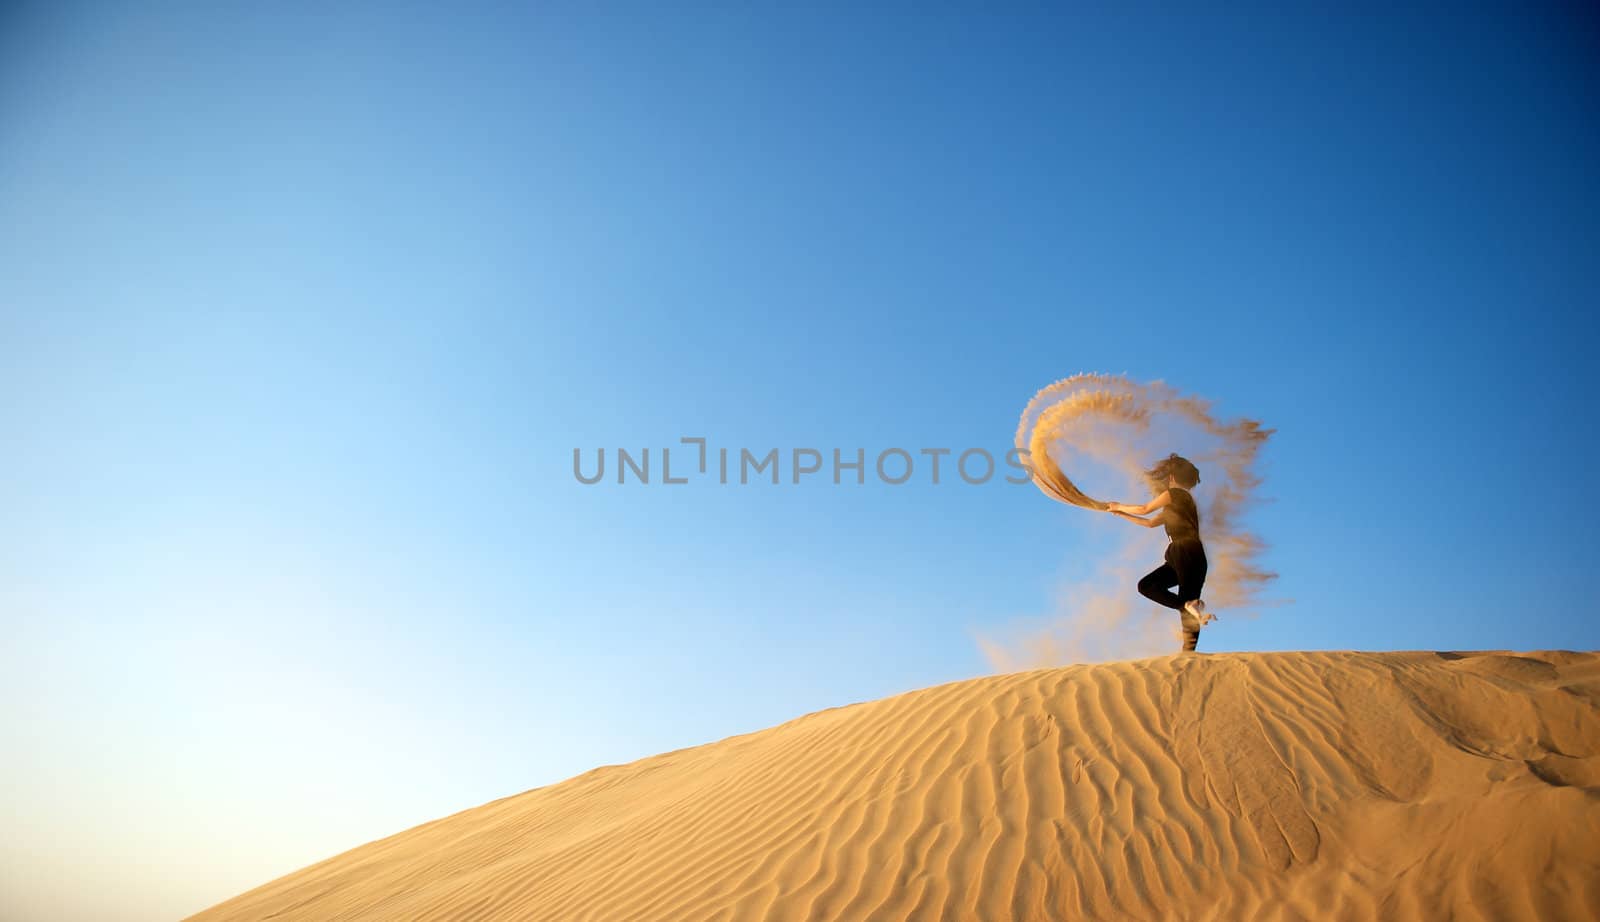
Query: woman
[(1186, 556)]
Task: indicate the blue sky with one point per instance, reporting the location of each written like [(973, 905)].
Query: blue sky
[(303, 311)]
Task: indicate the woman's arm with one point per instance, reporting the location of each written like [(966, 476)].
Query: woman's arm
[(1147, 523), (1160, 502)]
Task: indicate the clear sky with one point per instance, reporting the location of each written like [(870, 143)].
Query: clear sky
[(303, 312)]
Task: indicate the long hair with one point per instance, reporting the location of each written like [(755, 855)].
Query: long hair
[(1176, 467)]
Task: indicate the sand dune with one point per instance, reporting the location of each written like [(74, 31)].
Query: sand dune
[(1233, 786)]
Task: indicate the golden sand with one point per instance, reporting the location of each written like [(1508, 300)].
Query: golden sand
[(1236, 786)]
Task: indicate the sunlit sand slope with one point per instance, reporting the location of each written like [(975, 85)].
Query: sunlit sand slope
[(1235, 786)]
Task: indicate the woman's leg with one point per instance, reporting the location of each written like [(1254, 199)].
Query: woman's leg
[(1190, 560), (1191, 569), (1157, 587)]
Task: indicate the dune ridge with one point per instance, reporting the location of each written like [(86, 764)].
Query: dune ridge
[(1333, 785)]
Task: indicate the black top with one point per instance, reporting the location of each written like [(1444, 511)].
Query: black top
[(1182, 517)]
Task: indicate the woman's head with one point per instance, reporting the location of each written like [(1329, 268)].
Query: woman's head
[(1173, 470)]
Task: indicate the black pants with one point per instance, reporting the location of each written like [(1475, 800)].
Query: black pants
[(1186, 569)]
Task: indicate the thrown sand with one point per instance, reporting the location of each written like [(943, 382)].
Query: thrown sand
[(1234, 786)]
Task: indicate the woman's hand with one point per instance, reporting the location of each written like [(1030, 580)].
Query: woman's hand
[(1113, 507)]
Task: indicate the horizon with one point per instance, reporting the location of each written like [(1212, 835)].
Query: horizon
[(305, 314)]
